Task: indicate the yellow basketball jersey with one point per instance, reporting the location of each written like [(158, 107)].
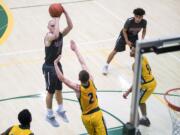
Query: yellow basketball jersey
[(88, 98), (16, 130), (146, 75)]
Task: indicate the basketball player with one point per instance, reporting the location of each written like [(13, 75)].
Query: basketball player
[(148, 85), (25, 119), (128, 35), (53, 47), (92, 116)]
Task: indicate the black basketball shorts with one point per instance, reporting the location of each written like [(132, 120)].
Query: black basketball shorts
[(51, 79), (121, 43)]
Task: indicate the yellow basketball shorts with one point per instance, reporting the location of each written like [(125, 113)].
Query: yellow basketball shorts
[(146, 90), (94, 123)]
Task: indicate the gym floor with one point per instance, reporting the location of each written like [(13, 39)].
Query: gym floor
[(97, 24)]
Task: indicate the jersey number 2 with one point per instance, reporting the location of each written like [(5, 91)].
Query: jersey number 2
[(90, 95)]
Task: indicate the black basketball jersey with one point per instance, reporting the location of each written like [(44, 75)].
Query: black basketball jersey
[(54, 50), (133, 28)]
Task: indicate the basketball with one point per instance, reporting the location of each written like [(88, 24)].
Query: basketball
[(55, 10)]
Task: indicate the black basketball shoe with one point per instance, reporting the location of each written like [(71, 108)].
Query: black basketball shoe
[(145, 122)]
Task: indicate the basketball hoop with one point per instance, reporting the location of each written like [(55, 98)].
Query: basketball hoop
[(172, 98)]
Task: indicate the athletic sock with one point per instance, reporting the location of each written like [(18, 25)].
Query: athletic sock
[(60, 107), (106, 65), (50, 113), (144, 117)]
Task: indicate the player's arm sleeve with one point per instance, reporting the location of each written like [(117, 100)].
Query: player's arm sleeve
[(144, 24), (127, 23), (71, 84)]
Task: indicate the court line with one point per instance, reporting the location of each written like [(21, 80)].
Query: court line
[(67, 92), (160, 99), (175, 57), (101, 91), (39, 50), (112, 115), (21, 52), (32, 61), (108, 11), (43, 5), (118, 18), (15, 63), (40, 95)]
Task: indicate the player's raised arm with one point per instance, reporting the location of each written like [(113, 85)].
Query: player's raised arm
[(69, 23), (61, 77), (80, 57)]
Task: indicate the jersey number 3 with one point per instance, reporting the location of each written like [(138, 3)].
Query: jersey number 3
[(90, 95)]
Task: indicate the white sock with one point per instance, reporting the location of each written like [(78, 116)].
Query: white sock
[(106, 65), (50, 113), (144, 117), (60, 107)]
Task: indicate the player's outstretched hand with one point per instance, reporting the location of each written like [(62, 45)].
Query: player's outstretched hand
[(73, 45), (125, 95), (57, 59)]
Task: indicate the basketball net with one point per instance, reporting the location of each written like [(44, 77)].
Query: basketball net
[(172, 98)]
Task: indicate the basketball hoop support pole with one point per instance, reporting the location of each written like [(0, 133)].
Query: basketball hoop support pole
[(135, 91)]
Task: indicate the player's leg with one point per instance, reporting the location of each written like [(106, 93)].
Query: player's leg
[(143, 109), (86, 119), (50, 115), (49, 87), (110, 57), (58, 87), (47, 71), (49, 97), (59, 98), (146, 91), (60, 111), (144, 96), (120, 46), (99, 123)]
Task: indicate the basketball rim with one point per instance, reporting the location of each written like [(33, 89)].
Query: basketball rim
[(171, 105)]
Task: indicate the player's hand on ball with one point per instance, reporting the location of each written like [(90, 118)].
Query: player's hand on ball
[(73, 45), (63, 8)]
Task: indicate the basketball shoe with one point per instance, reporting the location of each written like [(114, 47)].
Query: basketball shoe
[(105, 70), (145, 122), (52, 121), (62, 114)]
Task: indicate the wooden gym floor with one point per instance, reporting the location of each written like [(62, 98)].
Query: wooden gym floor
[(97, 24)]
